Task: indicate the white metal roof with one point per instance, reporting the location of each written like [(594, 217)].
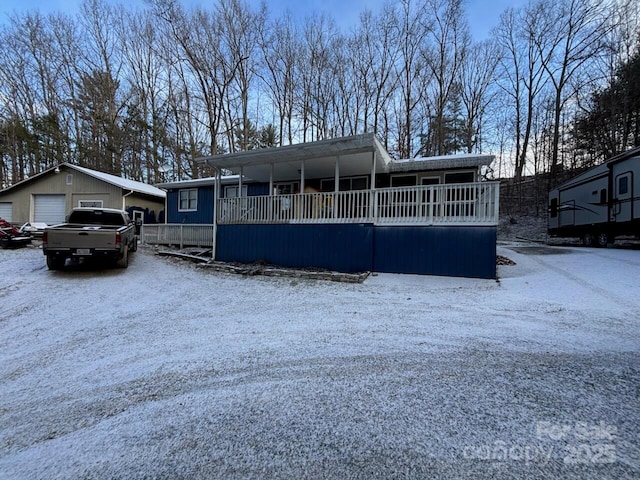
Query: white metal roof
[(444, 162), (355, 154), (123, 183), (202, 182)]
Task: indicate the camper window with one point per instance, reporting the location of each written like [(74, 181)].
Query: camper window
[(623, 185)]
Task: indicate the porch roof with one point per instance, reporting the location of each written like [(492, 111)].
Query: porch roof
[(355, 156), (202, 182), (445, 162)]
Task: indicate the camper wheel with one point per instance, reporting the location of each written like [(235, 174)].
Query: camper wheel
[(588, 239), (603, 239)]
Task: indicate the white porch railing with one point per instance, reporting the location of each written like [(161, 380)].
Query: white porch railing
[(177, 235), (465, 203)]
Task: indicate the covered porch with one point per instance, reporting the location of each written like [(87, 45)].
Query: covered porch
[(329, 206)]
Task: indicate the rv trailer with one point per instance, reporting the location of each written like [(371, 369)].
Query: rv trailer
[(600, 204)]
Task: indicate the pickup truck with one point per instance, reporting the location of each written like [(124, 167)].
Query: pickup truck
[(95, 233)]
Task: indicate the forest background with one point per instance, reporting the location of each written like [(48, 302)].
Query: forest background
[(141, 92)]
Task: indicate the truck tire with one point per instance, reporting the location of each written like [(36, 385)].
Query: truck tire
[(588, 239), (123, 262), (603, 239), (134, 245), (55, 263)]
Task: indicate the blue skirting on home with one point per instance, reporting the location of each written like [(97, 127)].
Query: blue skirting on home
[(455, 251), (462, 251), (341, 247)]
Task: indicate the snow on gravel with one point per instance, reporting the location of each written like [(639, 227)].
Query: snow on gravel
[(164, 370)]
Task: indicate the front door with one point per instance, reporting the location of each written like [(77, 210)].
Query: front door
[(622, 210)]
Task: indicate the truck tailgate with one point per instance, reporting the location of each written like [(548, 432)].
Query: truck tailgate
[(95, 238)]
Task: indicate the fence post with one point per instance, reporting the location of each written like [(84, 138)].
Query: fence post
[(181, 237)]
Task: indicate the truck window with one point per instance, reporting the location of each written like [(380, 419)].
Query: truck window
[(553, 208), (95, 217)]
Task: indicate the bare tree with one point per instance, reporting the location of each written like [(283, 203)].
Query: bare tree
[(523, 76), (414, 24), (240, 30), (280, 56), (572, 32), (317, 84), (145, 74), (443, 53), (100, 99), (477, 75), (375, 51)]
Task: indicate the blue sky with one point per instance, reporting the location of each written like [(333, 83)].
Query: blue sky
[(483, 14)]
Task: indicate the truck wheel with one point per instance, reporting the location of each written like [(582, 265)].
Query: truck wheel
[(123, 262), (134, 245), (55, 263), (603, 239), (588, 240)]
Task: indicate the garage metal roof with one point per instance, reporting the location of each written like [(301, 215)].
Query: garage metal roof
[(123, 183)]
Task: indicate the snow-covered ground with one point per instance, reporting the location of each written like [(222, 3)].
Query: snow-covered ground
[(164, 370)]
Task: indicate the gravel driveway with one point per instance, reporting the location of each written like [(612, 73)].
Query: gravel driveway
[(164, 370)]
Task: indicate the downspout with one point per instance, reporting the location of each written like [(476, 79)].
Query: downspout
[(123, 199)]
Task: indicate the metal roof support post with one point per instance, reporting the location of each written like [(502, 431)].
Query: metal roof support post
[(271, 179), (216, 196), (372, 187), (271, 200), (336, 188), (301, 209)]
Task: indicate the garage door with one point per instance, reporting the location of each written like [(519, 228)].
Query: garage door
[(49, 209), (6, 211)]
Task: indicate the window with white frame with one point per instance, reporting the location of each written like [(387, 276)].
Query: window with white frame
[(188, 200), (91, 203)]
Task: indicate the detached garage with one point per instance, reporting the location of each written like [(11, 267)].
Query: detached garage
[(49, 196)]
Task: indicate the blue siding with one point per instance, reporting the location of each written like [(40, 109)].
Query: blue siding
[(452, 251), (204, 213), (339, 247)]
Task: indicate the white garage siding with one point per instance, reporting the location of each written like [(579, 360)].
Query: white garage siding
[(6, 211), (49, 209)]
